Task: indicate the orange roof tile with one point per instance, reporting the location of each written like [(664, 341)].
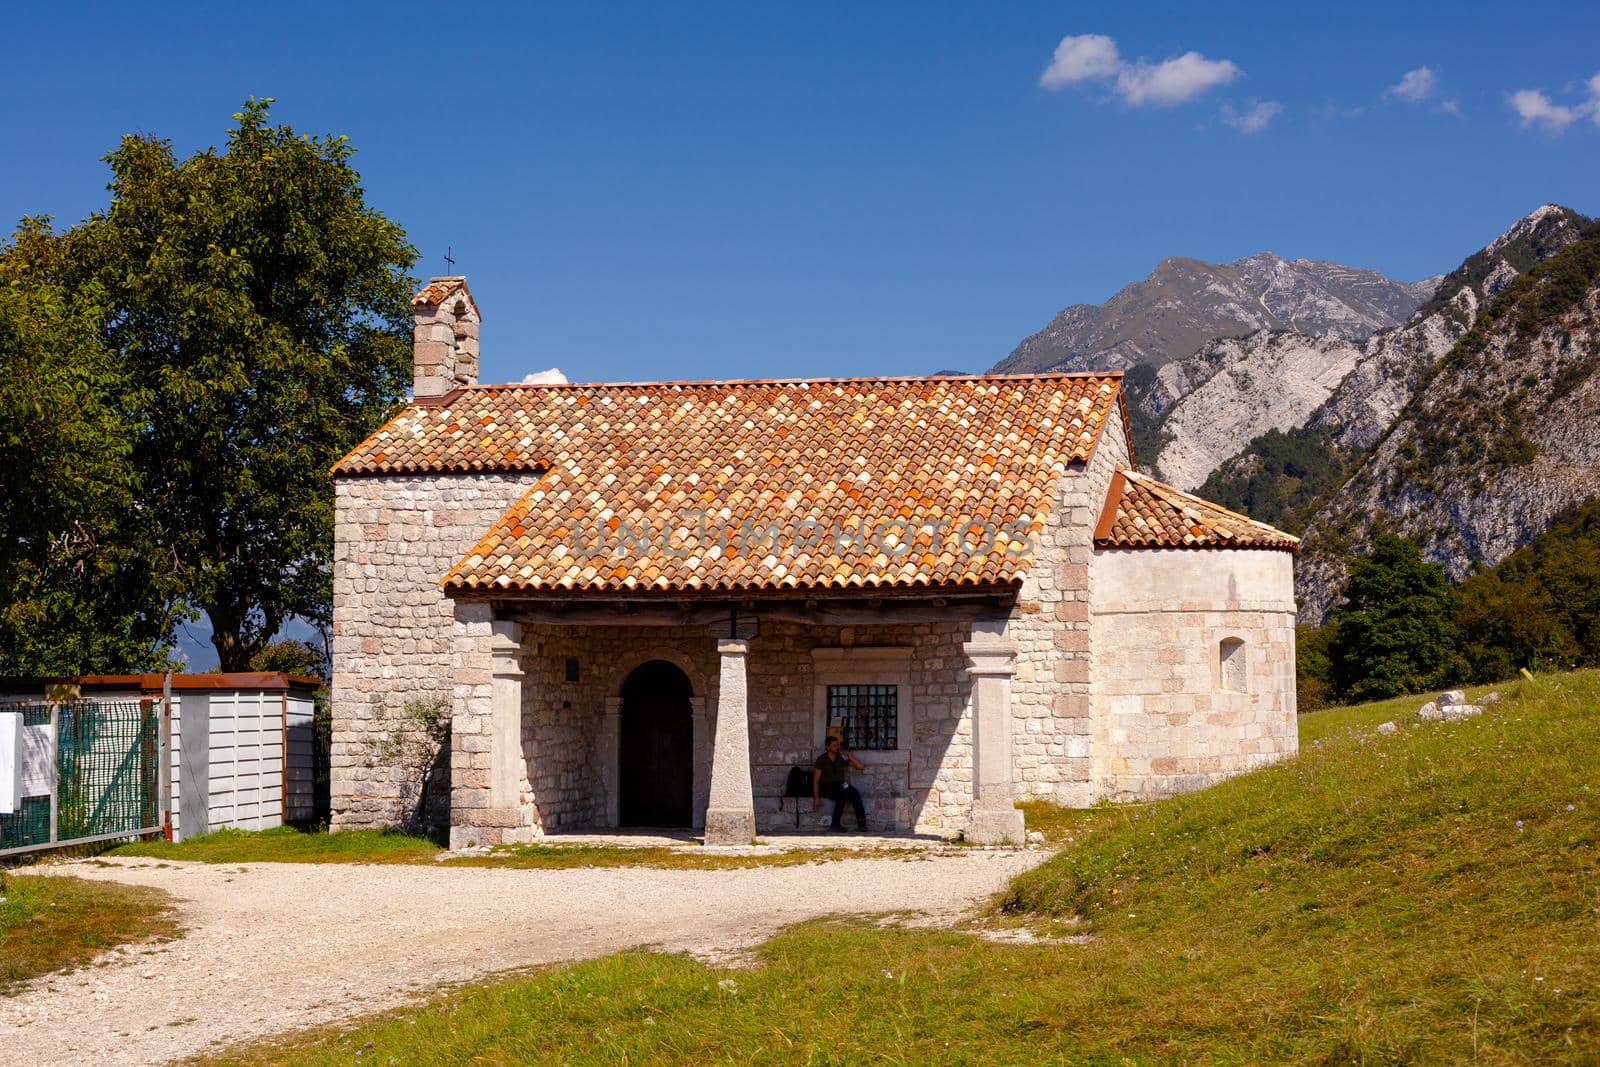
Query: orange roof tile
[(438, 290), (813, 459), (1141, 512)]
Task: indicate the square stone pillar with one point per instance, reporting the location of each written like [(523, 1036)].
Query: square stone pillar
[(731, 813), (508, 768), (995, 818)]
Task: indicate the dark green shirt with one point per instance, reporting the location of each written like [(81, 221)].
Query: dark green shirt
[(834, 769)]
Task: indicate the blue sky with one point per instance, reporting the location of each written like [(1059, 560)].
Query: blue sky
[(699, 190), (695, 190)]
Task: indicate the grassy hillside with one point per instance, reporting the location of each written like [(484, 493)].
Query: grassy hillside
[(1431, 894)]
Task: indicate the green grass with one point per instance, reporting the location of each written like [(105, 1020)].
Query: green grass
[(1059, 825), (50, 924), (561, 857), (288, 845), (1431, 895)]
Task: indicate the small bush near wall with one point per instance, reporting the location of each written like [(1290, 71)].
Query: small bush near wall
[(418, 744)]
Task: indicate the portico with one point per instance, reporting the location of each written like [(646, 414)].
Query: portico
[(545, 746)]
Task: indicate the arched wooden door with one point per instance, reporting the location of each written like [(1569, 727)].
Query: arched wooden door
[(656, 747)]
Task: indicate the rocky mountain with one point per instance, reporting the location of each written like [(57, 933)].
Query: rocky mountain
[(1186, 303), (1242, 388), (1499, 437), (1339, 394)]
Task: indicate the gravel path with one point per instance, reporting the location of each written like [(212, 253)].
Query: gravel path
[(274, 947)]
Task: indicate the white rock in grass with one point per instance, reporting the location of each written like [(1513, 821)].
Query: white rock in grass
[(1443, 712), (1452, 696), (1386, 727), (1490, 698)]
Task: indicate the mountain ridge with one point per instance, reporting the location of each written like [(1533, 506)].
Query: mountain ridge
[(1185, 303), (1217, 402), (1498, 439)]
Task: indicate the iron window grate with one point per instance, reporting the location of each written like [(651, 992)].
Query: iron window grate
[(868, 715)]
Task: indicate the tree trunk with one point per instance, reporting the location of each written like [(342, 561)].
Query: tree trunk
[(233, 651)]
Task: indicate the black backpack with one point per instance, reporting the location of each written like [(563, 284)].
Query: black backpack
[(799, 787), (799, 784)]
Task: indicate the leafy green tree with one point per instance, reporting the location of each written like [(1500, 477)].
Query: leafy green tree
[(259, 308), (292, 656), (1312, 672), (82, 583), (1540, 606), (1393, 632)]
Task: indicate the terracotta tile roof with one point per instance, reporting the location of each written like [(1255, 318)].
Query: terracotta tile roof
[(438, 290), (487, 428), (1141, 512), (808, 457)]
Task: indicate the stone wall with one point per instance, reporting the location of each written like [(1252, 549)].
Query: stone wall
[(1052, 737), (1169, 718), (393, 628)]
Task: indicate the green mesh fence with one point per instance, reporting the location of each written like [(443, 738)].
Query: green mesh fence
[(30, 825), (107, 773)]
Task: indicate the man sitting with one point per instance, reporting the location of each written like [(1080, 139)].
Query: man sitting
[(830, 777)]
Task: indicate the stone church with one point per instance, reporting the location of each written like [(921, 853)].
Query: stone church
[(644, 603)]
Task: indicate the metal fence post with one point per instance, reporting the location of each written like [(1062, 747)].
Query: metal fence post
[(55, 768), (165, 776)]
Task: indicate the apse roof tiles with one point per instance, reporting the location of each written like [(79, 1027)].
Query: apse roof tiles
[(1141, 512)]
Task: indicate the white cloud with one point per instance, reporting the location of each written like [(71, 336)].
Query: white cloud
[(1414, 86), (1253, 120), (1536, 109), (1094, 57), (1451, 107), (1090, 56), (1173, 81)]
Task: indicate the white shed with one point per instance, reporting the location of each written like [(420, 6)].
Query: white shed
[(243, 750)]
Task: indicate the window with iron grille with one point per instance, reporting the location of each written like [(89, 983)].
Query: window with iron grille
[(867, 715)]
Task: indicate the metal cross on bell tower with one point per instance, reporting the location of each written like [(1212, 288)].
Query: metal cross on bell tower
[(449, 260)]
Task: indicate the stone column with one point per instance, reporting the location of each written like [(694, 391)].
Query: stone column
[(731, 814), (995, 818), (610, 753), (507, 767)]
